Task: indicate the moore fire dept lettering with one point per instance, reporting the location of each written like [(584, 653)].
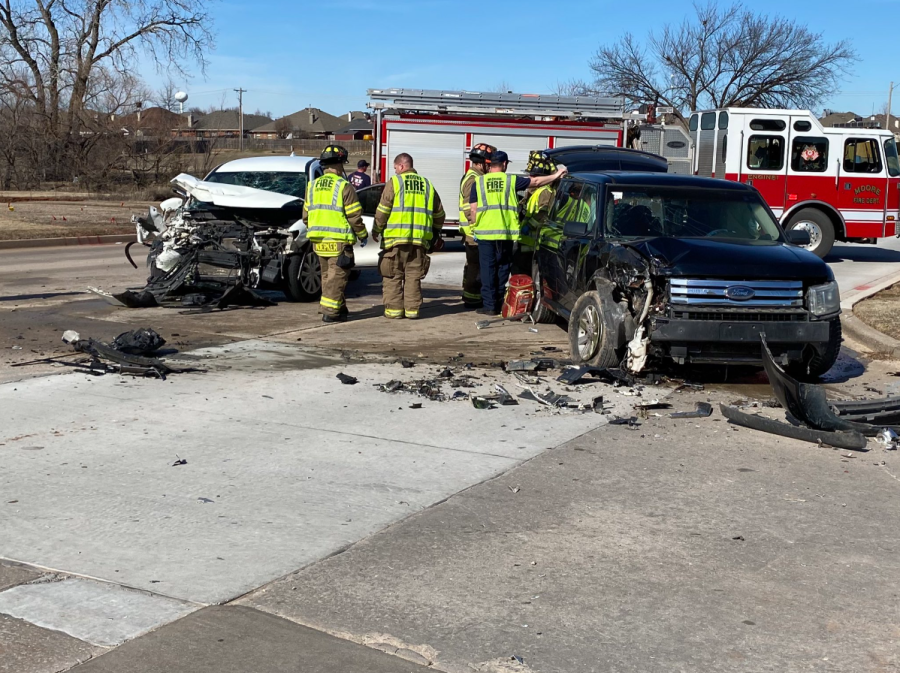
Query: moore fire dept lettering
[(866, 188)]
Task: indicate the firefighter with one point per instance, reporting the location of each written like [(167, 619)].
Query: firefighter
[(408, 219), (535, 212), (494, 208), (333, 217), (480, 159)]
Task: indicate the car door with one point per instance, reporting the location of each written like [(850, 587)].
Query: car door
[(579, 222), (551, 274)]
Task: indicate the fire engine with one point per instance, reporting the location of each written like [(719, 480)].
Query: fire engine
[(836, 183), (438, 128)]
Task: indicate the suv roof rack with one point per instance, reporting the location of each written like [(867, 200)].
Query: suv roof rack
[(481, 102)]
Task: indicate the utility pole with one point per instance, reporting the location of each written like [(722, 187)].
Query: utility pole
[(240, 93), (887, 119)]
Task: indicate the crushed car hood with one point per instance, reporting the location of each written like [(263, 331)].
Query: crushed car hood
[(231, 196), (713, 258)]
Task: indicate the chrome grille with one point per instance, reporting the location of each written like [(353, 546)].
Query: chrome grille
[(731, 293)]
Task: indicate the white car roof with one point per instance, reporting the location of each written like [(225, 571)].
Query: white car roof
[(289, 164)]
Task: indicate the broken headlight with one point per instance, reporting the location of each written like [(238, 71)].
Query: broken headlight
[(824, 299)]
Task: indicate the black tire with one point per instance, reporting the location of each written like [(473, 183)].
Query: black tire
[(820, 227), (593, 331), (541, 312), (822, 362), (303, 276)]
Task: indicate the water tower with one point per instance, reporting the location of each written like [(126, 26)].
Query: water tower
[(181, 97)]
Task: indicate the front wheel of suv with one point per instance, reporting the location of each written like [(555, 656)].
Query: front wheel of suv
[(540, 313), (593, 331), (303, 276)]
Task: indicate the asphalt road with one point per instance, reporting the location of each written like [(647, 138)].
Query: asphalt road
[(48, 273)]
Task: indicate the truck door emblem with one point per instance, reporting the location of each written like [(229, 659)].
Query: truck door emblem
[(740, 292)]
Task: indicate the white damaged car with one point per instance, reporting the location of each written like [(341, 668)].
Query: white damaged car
[(241, 225)]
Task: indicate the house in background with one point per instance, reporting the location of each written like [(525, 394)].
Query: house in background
[(855, 121), (226, 124), (358, 129), (154, 122), (306, 123)]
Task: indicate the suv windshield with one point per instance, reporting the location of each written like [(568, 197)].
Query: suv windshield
[(292, 184), (641, 212)]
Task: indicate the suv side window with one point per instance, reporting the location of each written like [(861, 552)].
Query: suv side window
[(369, 198), (576, 203), (861, 155)]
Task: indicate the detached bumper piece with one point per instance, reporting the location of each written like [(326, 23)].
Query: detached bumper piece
[(840, 424)]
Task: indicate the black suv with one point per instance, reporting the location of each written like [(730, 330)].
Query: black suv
[(654, 265)]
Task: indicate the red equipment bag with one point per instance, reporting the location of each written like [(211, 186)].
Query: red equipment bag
[(519, 296)]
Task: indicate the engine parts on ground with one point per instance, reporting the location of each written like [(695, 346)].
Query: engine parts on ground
[(139, 341), (106, 359)]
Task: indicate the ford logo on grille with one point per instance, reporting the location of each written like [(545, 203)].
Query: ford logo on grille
[(740, 292)]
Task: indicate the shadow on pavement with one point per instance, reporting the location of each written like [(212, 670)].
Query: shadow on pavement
[(861, 253)]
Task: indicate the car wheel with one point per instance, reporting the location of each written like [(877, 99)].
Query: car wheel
[(822, 362), (540, 312), (303, 281), (819, 227), (593, 331)]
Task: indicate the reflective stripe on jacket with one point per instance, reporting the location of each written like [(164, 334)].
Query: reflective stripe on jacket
[(412, 213), (327, 217), (464, 225), (497, 216), (531, 225)]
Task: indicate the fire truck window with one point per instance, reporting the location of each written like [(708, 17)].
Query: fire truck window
[(768, 125), (707, 121), (890, 157), (809, 155), (765, 153), (693, 123), (802, 126), (723, 121), (861, 156)]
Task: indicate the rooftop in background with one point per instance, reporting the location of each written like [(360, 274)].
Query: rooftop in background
[(853, 120), (229, 119), (308, 120), (354, 126)]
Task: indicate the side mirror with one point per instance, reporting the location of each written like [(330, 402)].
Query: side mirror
[(797, 236), (575, 229)]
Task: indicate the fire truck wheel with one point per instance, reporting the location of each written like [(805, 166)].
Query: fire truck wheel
[(819, 227)]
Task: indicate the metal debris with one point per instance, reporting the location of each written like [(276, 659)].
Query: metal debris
[(347, 380), (482, 403), (889, 438), (702, 410)]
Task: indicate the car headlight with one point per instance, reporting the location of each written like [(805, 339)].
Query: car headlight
[(824, 299)]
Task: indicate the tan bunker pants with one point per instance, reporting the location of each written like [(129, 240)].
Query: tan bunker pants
[(403, 267)]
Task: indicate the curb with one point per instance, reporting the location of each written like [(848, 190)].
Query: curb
[(74, 240), (859, 331)]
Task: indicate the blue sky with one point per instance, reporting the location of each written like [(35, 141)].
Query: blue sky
[(292, 54)]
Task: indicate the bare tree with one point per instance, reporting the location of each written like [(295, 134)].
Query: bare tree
[(503, 86), (55, 55), (283, 127), (164, 96), (723, 57)]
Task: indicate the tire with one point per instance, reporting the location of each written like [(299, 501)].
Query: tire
[(820, 228), (593, 331), (303, 278), (822, 362), (541, 312)]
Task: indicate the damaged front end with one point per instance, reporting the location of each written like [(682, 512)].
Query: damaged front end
[(216, 246)]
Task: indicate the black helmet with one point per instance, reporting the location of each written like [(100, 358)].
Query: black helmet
[(334, 154), (481, 153), (540, 164)]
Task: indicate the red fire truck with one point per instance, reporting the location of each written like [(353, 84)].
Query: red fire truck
[(837, 183), (438, 128)]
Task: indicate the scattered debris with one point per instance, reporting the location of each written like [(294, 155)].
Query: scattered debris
[(482, 403), (702, 410), (685, 385), (889, 438), (631, 421), (738, 537), (407, 364), (841, 440), (180, 461), (415, 405), (652, 404), (503, 396), (139, 342), (347, 380), (105, 359)]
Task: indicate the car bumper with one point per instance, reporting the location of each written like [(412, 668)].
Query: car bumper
[(714, 331)]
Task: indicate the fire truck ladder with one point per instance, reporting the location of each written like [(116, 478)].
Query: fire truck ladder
[(479, 102)]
